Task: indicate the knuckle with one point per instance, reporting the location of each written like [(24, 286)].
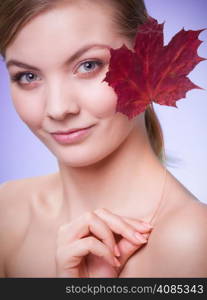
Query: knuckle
[(59, 253), (100, 210), (59, 240), (129, 229), (89, 216), (62, 232), (126, 228), (62, 229), (91, 242), (97, 211)]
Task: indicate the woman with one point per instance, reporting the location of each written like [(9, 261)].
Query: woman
[(112, 210)]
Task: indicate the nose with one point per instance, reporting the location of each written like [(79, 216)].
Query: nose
[(60, 101)]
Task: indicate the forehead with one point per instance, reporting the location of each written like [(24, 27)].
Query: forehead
[(69, 26)]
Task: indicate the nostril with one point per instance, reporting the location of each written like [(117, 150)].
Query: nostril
[(60, 112)]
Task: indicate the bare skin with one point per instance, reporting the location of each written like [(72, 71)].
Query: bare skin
[(30, 226), (67, 224)]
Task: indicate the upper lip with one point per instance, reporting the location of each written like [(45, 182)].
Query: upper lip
[(70, 130)]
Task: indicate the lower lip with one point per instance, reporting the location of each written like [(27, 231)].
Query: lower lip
[(71, 137)]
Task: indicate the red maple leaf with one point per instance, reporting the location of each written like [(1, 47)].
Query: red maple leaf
[(153, 72)]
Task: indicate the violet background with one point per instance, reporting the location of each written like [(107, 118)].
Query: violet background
[(185, 128)]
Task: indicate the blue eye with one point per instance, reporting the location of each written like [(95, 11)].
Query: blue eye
[(25, 78), (89, 66), (29, 76)]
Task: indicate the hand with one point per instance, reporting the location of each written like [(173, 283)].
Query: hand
[(87, 238), (127, 246), (77, 239)]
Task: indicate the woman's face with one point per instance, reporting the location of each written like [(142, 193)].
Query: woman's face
[(66, 51)]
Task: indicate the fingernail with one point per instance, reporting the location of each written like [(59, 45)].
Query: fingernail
[(145, 235), (140, 237), (116, 251), (117, 262), (147, 225)]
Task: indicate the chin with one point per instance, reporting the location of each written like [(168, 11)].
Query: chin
[(79, 163), (84, 159), (86, 154)]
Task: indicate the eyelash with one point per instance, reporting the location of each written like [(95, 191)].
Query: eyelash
[(18, 76)]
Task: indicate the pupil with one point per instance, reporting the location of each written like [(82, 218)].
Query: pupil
[(88, 65), (30, 76)]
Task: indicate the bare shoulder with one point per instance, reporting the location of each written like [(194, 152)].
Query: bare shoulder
[(189, 221), (14, 215), (13, 205), (180, 240), (17, 196), (16, 199)]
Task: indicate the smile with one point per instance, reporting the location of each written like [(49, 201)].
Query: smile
[(70, 138)]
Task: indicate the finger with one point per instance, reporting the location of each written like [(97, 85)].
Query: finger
[(140, 225), (127, 249), (70, 256), (84, 226), (118, 225)]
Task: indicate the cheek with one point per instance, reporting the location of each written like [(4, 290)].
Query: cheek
[(101, 100), (29, 110)]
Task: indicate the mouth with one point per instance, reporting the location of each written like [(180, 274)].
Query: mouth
[(71, 136), (71, 130)]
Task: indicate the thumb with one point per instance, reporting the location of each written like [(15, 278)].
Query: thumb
[(127, 249)]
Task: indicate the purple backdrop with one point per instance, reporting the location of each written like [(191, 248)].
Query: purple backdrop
[(23, 155)]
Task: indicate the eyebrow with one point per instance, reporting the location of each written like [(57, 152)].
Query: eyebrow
[(13, 62)]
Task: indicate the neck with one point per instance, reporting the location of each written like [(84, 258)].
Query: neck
[(127, 182)]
